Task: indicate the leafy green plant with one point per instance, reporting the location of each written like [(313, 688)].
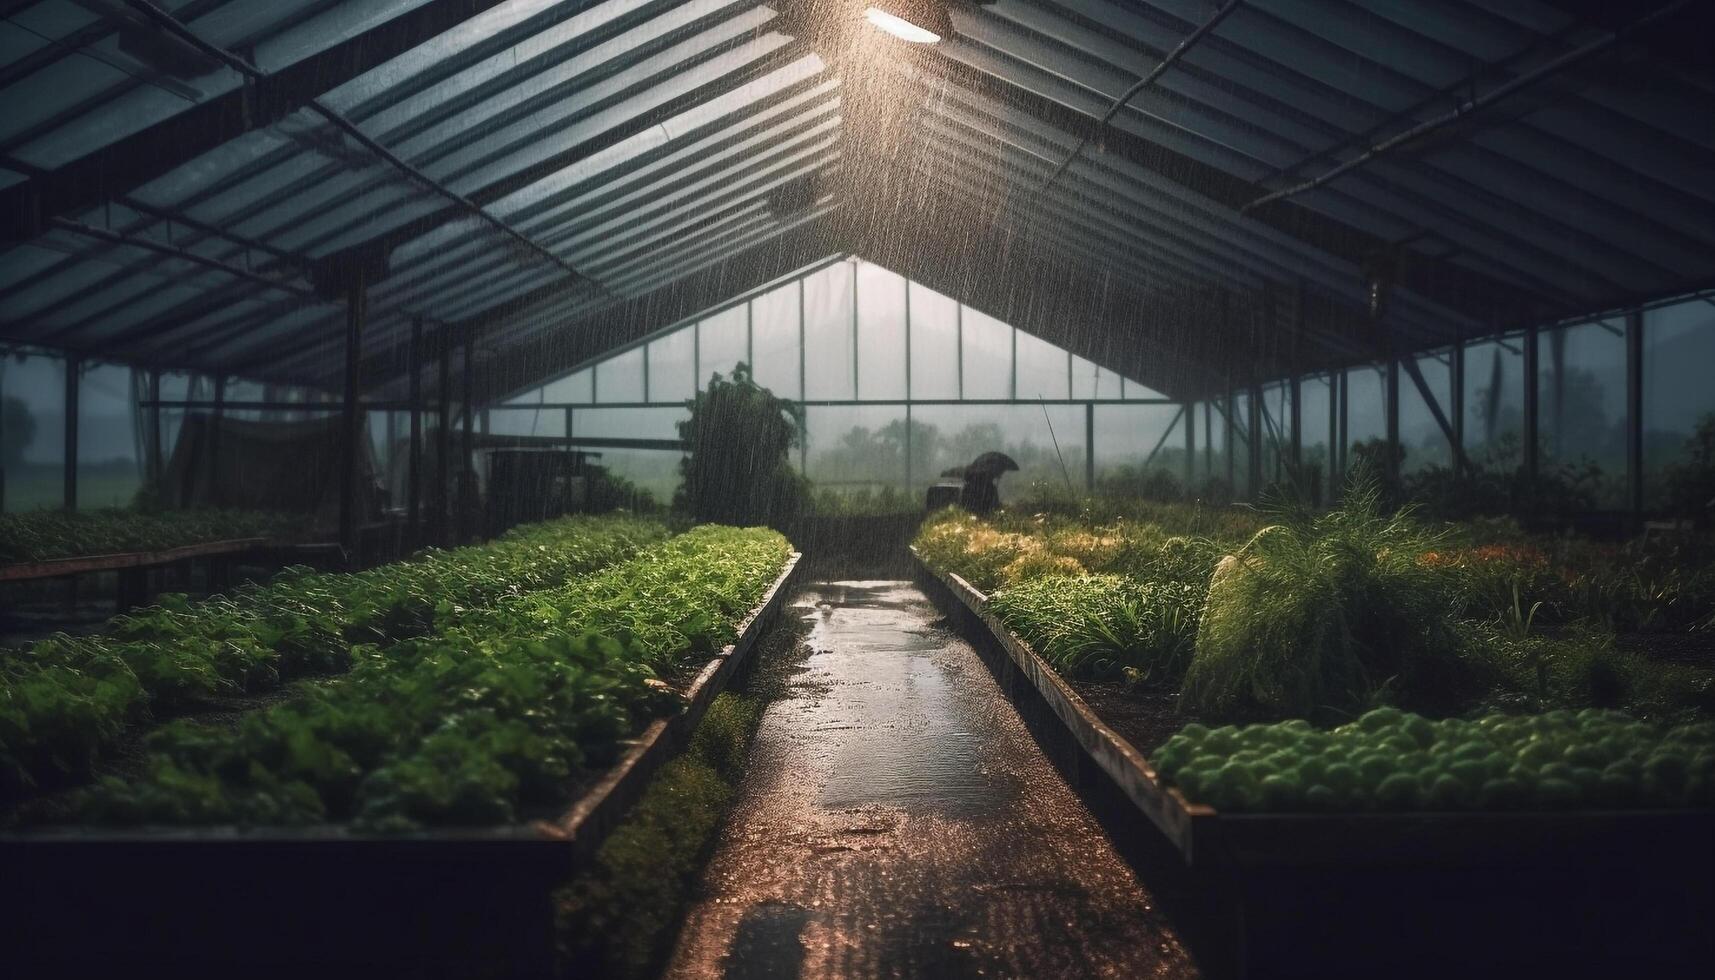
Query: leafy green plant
[(1104, 625), (1393, 760), (65, 699), (477, 724), (1320, 615), (41, 535), (736, 469)]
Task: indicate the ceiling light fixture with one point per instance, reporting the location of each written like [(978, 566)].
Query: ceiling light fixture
[(899, 27)]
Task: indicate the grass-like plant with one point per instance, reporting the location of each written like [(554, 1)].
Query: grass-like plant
[(1318, 616), (1105, 625)]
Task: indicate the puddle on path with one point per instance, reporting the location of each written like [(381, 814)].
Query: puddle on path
[(898, 820)]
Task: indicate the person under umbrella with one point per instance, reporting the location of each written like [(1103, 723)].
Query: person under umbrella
[(980, 495)]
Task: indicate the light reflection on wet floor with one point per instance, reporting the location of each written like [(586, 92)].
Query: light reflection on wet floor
[(898, 820)]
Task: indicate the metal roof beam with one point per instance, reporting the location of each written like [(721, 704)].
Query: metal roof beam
[(152, 152), (1464, 109), (1461, 290)]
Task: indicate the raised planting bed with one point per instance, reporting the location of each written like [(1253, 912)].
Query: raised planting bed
[(67, 702), (1377, 893), (442, 901)]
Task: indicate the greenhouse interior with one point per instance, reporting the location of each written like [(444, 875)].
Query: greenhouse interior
[(857, 488)]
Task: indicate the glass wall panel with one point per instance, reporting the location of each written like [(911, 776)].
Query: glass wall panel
[(1276, 422), (860, 449), (1241, 447), (1139, 448), (1424, 441), (109, 455), (525, 421), (881, 333), (672, 372), (579, 387), (32, 430), (987, 353), (1366, 410), (1494, 402), (620, 378), (654, 470), (723, 340), (1090, 380), (1315, 394), (934, 344), (1679, 349), (828, 354), (960, 433), (1581, 410), (1134, 390), (774, 341), (1044, 370)]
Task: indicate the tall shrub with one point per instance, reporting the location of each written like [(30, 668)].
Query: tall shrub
[(736, 469), (1322, 616)]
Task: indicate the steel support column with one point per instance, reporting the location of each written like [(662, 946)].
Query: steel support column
[(467, 474), (1635, 414), (1189, 413), (438, 524), (1390, 410), (1089, 447), (74, 372), (1531, 404), (154, 466), (414, 469), (351, 418), (217, 489)]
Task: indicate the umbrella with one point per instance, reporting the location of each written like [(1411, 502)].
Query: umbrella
[(991, 465)]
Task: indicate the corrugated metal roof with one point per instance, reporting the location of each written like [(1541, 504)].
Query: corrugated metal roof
[(175, 173)]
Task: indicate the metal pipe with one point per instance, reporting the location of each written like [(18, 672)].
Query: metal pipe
[(173, 251), (1144, 82), (1469, 106)]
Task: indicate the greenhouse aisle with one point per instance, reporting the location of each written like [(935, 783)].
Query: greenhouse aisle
[(898, 820)]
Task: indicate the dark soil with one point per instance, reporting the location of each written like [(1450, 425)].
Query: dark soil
[(1142, 717), (1691, 649)]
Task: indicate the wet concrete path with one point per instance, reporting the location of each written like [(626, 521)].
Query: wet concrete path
[(897, 820)]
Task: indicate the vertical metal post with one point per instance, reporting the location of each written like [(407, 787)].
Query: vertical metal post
[(1635, 414), (1458, 406), (1208, 438), (1254, 424), (155, 426), (350, 415), (1190, 413), (443, 439), (1391, 411), (1089, 438), (414, 469), (1232, 459), (1295, 414), (908, 449), (803, 388), (959, 344), (1012, 332), (74, 375), (856, 391), (908, 434), (467, 475), (1345, 436), (1530, 403), (217, 488)]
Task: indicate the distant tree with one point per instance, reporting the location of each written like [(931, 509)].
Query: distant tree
[(736, 468), (17, 430), (1691, 481)]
